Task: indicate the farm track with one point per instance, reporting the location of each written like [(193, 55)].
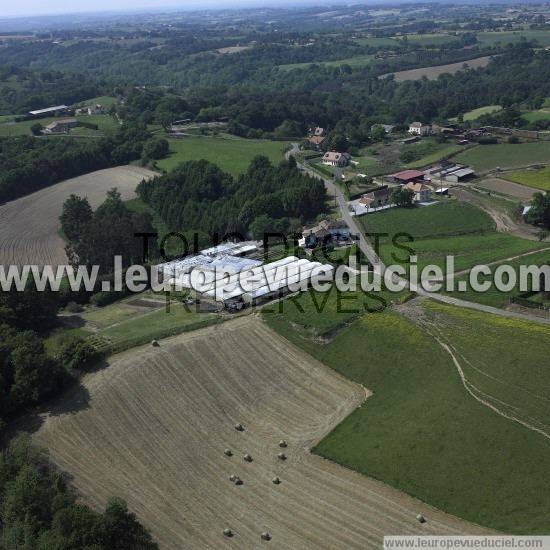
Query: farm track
[(434, 328), (503, 221), (29, 226), (152, 427)]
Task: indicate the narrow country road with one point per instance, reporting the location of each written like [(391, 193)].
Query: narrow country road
[(367, 249)]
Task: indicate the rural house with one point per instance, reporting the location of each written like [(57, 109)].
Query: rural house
[(316, 141), (61, 126), (422, 193), (376, 199), (332, 158), (419, 129), (324, 232), (317, 131), (96, 110)]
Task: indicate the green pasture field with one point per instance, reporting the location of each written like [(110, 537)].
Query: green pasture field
[(494, 297), (434, 39), (468, 250), (505, 155), (423, 433), (507, 37), (154, 325), (374, 41), (444, 229), (317, 315), (231, 155), (431, 152), (535, 116), (355, 62), (538, 179), (104, 100), (423, 222), (487, 110)]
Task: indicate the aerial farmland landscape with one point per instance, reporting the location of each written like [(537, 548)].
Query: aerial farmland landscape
[(274, 275)]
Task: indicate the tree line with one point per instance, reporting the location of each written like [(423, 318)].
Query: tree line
[(28, 164), (198, 196)]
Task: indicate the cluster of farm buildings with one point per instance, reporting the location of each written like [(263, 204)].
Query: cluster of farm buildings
[(423, 184), (63, 125)]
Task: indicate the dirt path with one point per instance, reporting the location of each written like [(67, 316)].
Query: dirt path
[(29, 226), (434, 329), (152, 428), (504, 223)]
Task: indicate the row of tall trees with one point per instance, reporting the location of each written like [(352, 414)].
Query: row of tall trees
[(96, 237)]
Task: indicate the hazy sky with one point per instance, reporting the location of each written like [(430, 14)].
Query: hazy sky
[(44, 7)]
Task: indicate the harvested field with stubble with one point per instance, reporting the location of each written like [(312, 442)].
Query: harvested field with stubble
[(432, 73), (505, 187), (152, 428), (29, 226)]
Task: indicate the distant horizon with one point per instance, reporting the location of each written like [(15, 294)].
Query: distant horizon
[(41, 8)]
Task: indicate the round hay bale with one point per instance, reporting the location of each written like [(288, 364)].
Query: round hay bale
[(155, 343), (421, 518), (281, 456), (247, 457), (239, 427), (228, 532), (276, 481), (266, 536), (228, 452), (282, 443)]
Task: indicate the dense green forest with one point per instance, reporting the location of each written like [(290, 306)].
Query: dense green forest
[(198, 196), (23, 90), (351, 102)]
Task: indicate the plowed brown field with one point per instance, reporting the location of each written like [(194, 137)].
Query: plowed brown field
[(156, 421), (29, 226)]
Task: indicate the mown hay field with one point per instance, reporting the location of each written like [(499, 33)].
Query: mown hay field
[(29, 226), (152, 427), (431, 73)]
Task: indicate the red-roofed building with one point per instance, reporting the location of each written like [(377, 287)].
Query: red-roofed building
[(407, 176)]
